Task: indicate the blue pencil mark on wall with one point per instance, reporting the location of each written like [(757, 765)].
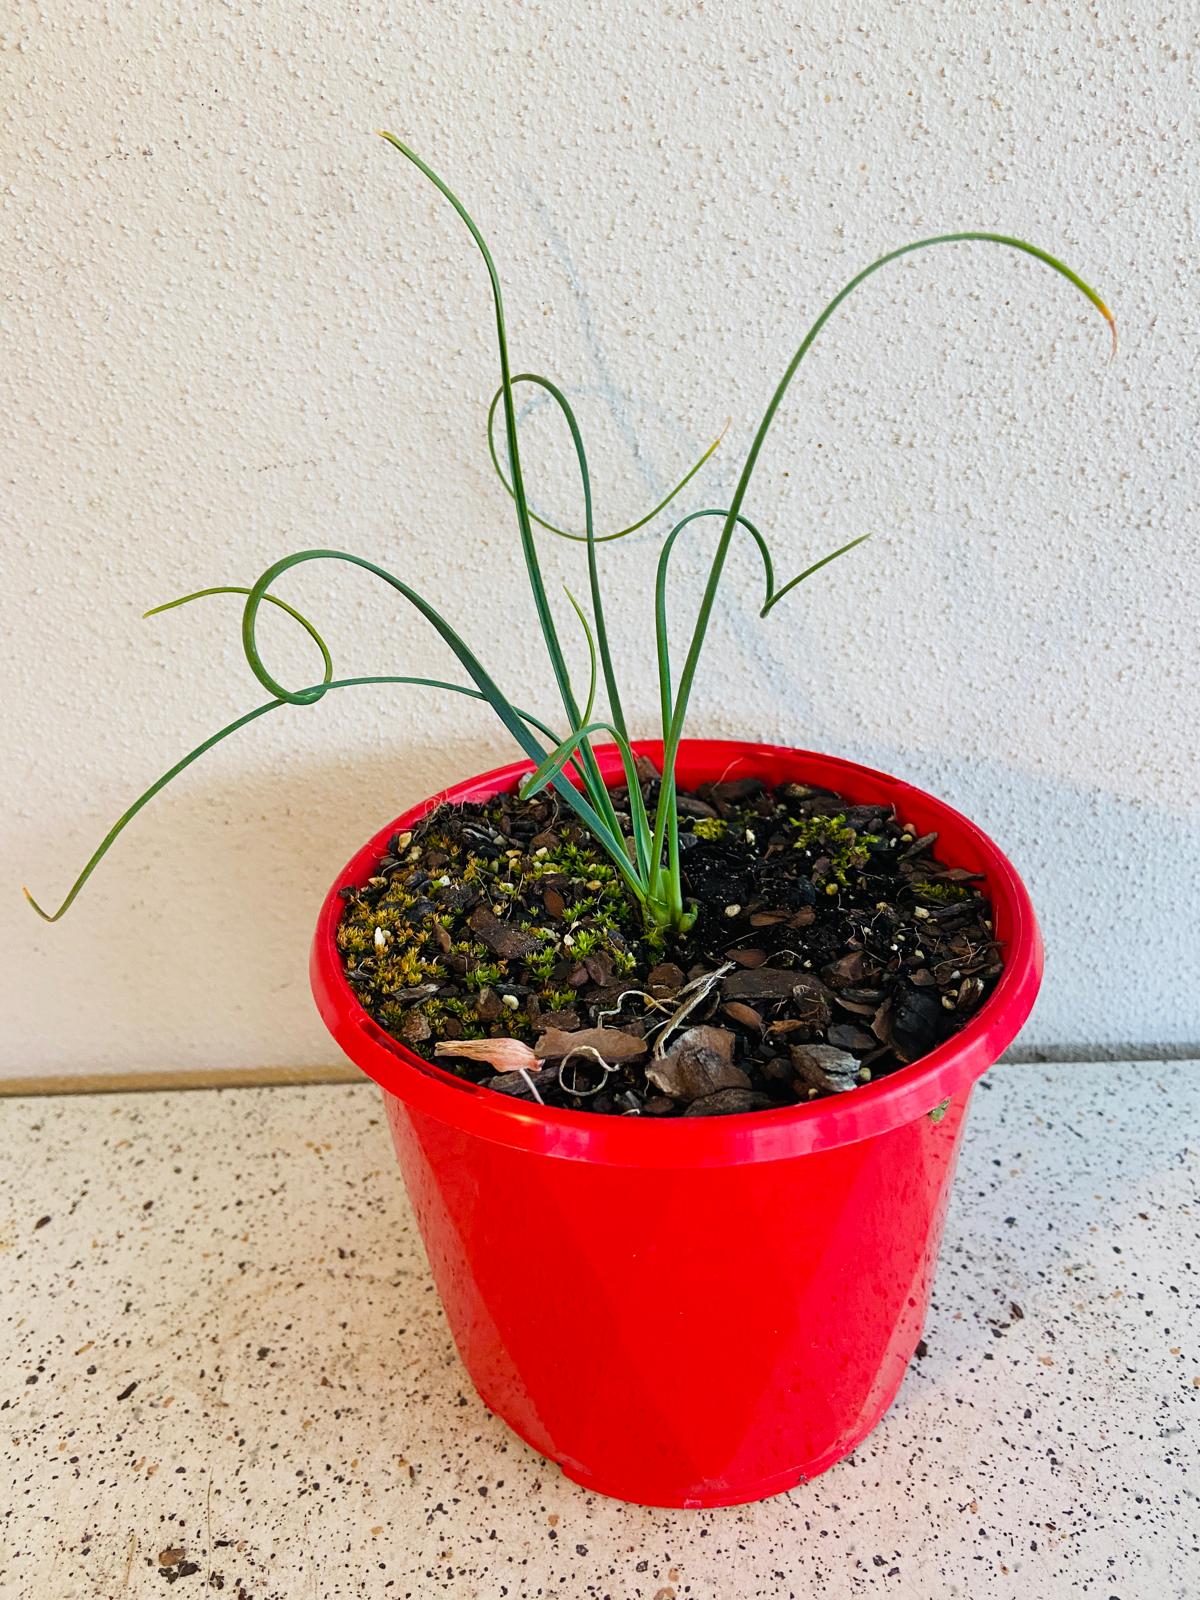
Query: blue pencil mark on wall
[(604, 386)]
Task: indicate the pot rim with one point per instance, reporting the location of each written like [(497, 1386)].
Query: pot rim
[(860, 1113)]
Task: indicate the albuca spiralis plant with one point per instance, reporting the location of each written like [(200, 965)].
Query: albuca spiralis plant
[(647, 857)]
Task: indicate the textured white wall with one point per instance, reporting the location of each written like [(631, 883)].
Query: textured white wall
[(236, 324)]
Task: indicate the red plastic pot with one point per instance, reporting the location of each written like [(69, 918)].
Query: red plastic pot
[(696, 1311)]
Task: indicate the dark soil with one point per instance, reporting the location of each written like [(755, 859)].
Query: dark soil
[(831, 948)]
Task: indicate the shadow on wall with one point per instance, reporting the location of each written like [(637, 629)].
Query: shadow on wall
[(1094, 862), (189, 946)]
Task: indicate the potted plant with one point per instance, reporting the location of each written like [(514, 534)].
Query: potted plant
[(676, 1039)]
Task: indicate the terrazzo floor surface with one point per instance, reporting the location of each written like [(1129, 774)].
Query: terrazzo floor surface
[(225, 1369)]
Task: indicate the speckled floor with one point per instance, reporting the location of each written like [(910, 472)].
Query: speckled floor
[(225, 1366)]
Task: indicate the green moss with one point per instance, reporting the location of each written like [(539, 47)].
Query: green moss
[(940, 893), (832, 838), (407, 969), (353, 939), (462, 1009), (391, 952), (437, 1012), (710, 827), (542, 965), (485, 975), (557, 999)]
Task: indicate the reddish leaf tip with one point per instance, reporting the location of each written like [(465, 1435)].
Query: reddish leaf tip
[(1108, 317)]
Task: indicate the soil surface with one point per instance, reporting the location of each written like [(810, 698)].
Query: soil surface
[(831, 947)]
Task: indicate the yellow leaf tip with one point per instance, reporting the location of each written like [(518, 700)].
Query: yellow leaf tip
[(45, 915)]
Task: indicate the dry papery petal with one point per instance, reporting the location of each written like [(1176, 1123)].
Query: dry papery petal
[(506, 1055)]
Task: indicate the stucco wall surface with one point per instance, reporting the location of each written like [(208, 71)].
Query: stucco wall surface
[(235, 324)]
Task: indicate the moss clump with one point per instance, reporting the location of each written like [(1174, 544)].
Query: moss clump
[(596, 889), (559, 999), (502, 920), (426, 971), (839, 849), (710, 827), (940, 893)]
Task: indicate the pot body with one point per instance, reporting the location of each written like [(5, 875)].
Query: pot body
[(694, 1311)]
